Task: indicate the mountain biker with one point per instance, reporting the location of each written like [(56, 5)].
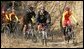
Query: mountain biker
[(43, 20), (29, 14), (12, 19), (66, 18), (43, 17)]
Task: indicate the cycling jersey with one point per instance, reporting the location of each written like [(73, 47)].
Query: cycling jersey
[(43, 18), (29, 15), (66, 18)]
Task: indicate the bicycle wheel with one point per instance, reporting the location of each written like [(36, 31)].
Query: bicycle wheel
[(34, 38)]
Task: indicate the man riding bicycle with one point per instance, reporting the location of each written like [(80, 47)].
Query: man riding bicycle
[(43, 18), (27, 19), (43, 22)]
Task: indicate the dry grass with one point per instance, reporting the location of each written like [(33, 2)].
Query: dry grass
[(58, 42)]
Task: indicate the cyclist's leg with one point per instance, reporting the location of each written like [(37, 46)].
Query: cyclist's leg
[(23, 25), (24, 29), (64, 31), (46, 30), (32, 28), (69, 28), (13, 26), (10, 26), (39, 28), (44, 34)]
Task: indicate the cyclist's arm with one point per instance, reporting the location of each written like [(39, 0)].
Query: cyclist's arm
[(10, 17), (74, 17), (7, 17), (16, 17), (63, 18)]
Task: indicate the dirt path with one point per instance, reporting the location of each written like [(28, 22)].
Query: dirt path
[(17, 42)]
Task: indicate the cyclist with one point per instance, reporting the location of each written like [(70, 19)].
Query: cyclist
[(43, 22), (66, 19), (28, 17), (12, 20), (43, 17)]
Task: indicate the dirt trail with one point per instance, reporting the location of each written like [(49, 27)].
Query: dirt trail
[(19, 42)]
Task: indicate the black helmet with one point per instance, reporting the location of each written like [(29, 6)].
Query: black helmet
[(31, 8)]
